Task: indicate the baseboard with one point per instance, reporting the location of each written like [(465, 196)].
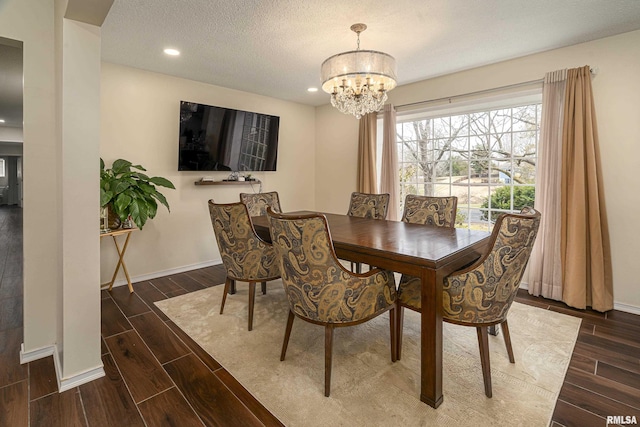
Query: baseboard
[(626, 308), (38, 353), (64, 384), (76, 380), (155, 275)]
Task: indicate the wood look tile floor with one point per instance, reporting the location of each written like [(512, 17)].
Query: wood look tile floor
[(157, 376)]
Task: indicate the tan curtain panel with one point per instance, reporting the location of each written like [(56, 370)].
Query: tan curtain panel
[(586, 254), (389, 178), (545, 266), (367, 154)]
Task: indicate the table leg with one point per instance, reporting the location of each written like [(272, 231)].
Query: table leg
[(431, 338), (121, 262)]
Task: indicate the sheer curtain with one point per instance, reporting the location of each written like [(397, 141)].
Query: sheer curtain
[(571, 260), (367, 154), (545, 266), (389, 179), (586, 254)]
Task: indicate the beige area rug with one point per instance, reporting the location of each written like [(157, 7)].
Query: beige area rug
[(366, 388)]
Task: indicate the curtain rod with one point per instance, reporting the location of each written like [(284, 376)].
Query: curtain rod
[(478, 92), (594, 71)]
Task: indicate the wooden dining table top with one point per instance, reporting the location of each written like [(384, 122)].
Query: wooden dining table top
[(418, 244)]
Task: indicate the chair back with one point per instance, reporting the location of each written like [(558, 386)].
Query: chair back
[(257, 203), (318, 287), (245, 256), (372, 206), (438, 211), (483, 292)]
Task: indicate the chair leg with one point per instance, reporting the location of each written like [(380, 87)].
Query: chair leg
[(393, 331), (399, 324), (264, 287), (507, 341), (328, 352), (252, 299), (232, 288), (227, 284), (483, 341), (287, 334)]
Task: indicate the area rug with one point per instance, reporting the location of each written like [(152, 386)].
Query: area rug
[(366, 388)]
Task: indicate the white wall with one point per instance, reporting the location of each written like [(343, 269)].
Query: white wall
[(32, 22), (618, 61), (79, 319), (61, 310), (11, 134), (10, 149), (140, 123)]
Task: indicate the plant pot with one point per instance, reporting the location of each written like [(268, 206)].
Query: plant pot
[(113, 219)]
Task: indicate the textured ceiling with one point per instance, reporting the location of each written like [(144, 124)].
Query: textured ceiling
[(275, 47)]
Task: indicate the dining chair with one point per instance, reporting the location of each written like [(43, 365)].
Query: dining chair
[(371, 206), (480, 295), (257, 203), (439, 211), (245, 256), (319, 289)]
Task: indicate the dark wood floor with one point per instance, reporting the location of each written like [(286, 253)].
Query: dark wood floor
[(158, 376)]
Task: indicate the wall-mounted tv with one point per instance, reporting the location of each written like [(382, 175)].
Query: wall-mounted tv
[(223, 139)]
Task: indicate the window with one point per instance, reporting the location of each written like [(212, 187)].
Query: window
[(255, 138), (486, 157), (2, 173)]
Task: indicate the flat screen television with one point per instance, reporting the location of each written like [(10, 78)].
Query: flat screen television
[(224, 139)]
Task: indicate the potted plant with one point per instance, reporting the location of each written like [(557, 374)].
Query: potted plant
[(129, 193)]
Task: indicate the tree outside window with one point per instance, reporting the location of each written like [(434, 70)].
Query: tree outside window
[(487, 159)]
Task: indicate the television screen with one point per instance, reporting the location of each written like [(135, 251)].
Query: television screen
[(223, 139)]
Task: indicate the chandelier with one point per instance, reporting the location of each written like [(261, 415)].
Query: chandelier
[(358, 80)]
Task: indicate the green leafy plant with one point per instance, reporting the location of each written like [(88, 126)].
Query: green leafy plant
[(501, 199), (130, 192)]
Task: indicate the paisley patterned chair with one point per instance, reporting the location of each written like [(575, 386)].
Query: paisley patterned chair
[(372, 206), (481, 294), (439, 211), (245, 256), (257, 203), (319, 289), (435, 211)]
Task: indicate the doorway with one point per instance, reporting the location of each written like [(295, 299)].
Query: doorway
[(11, 122)]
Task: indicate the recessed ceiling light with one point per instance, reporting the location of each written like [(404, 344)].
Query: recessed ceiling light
[(312, 89), (172, 52), (1, 120)]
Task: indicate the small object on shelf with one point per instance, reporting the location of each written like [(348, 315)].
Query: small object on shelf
[(227, 182), (207, 179), (104, 221), (127, 223)]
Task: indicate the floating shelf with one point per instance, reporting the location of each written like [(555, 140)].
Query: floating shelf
[(255, 181)]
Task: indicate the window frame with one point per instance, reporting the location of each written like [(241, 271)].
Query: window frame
[(486, 104)]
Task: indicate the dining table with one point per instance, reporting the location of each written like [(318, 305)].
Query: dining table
[(428, 252)]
